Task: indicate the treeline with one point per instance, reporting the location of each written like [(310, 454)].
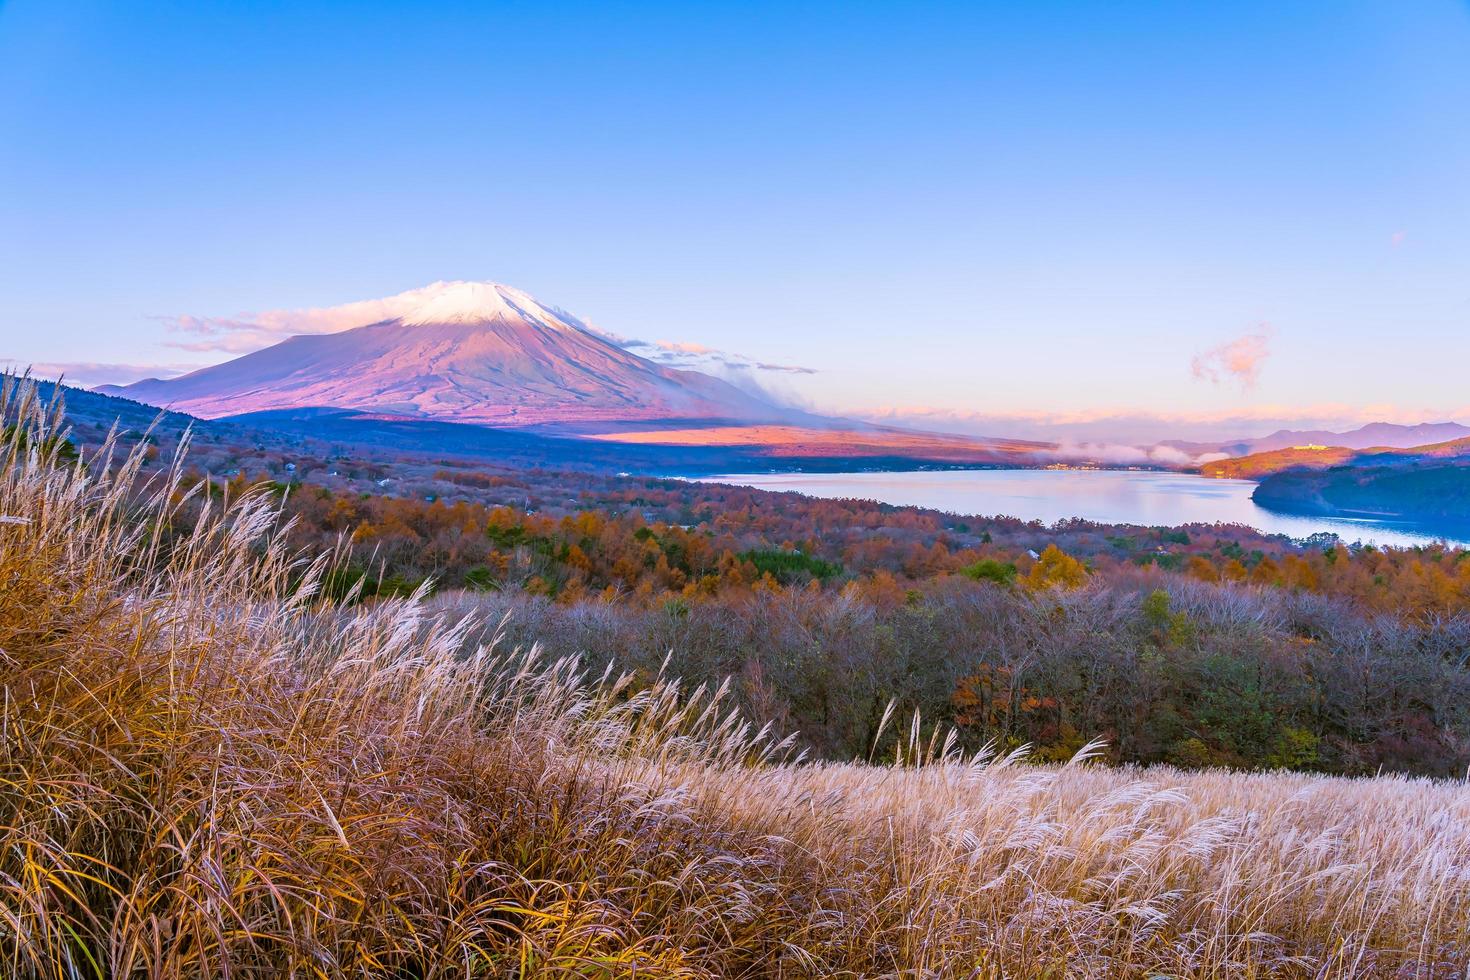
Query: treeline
[(1417, 490), (630, 551), (1165, 668)]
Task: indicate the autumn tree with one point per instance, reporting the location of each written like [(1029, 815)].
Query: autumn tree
[(1056, 569)]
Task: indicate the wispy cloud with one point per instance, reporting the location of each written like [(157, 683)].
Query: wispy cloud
[(698, 357), (1239, 360), (784, 368), (675, 347), (245, 332), (89, 374)]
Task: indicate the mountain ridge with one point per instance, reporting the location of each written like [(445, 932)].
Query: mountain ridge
[(475, 352), (1390, 435)]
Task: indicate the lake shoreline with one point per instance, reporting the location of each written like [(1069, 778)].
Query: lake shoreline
[(1133, 496)]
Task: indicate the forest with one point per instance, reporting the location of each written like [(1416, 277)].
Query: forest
[(1429, 489), (1199, 646)]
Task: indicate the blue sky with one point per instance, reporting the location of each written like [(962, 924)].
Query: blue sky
[(988, 216)]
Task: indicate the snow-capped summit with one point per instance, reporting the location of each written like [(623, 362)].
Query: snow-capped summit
[(477, 352), (482, 302)]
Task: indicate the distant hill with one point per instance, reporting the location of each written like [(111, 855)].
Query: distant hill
[(1257, 465), (689, 451), (101, 411), (1421, 483), (1385, 434)]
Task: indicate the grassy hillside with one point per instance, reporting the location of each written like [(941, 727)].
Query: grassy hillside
[(1258, 465), (1453, 449), (207, 772)]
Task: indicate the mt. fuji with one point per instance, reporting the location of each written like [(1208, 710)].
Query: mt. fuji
[(476, 352)]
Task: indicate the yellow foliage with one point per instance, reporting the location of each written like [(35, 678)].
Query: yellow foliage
[(1056, 569)]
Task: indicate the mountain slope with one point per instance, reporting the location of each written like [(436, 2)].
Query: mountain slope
[(1373, 435), (1257, 465), (472, 352)]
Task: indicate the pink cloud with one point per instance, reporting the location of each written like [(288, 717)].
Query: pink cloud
[(1397, 238), (1240, 359), (683, 348)]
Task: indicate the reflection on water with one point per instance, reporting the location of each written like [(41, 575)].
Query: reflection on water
[(1105, 496)]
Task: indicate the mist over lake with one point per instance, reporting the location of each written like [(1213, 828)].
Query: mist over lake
[(1147, 498)]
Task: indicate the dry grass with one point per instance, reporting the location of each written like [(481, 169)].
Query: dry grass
[(204, 773)]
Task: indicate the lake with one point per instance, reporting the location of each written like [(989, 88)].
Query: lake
[(1106, 496)]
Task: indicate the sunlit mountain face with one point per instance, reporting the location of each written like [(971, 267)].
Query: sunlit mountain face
[(477, 352)]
